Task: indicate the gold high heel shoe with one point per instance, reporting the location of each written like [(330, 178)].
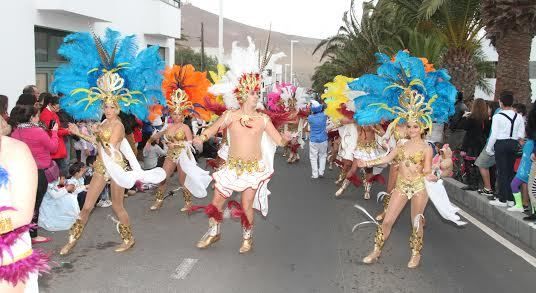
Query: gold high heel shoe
[(128, 239), (212, 236), (416, 244), (378, 245), (187, 195), (247, 240), (159, 200), (74, 234)]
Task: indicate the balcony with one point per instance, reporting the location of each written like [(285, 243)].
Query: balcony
[(165, 18), (91, 10)]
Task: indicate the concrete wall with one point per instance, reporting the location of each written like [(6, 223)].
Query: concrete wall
[(153, 21), (17, 58)]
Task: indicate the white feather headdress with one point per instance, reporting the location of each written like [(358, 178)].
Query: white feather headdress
[(245, 69)]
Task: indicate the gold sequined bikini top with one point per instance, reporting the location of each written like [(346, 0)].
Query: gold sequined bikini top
[(104, 135), (178, 137), (415, 158)]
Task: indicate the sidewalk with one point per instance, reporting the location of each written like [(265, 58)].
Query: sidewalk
[(510, 222)]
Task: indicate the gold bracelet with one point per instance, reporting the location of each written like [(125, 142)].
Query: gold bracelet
[(283, 142), (5, 225), (372, 163), (203, 137), (85, 137)]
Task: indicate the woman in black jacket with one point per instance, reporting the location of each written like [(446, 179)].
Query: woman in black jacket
[(477, 126)]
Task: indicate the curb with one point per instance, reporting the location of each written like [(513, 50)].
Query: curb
[(510, 222)]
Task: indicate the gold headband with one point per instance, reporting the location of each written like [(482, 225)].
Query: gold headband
[(412, 108), (248, 82), (109, 89), (180, 103)]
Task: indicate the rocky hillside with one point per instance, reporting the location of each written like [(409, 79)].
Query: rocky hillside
[(304, 61)]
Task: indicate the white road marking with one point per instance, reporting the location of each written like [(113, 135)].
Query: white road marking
[(184, 268), (520, 252)]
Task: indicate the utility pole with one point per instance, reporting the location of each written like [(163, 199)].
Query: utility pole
[(202, 48), (292, 60)]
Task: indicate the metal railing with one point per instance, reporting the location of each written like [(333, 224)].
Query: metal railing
[(174, 3)]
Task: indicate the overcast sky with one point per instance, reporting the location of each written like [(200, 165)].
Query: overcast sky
[(308, 18)]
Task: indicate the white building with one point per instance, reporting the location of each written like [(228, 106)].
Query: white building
[(492, 56), (32, 31)]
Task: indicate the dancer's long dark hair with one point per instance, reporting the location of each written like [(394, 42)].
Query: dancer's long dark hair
[(531, 123)]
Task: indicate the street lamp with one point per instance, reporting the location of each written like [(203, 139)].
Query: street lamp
[(292, 60), (286, 72), (220, 34)]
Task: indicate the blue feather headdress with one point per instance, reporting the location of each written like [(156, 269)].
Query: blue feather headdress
[(107, 71), (396, 86)]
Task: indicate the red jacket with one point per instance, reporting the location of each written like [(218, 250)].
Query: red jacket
[(137, 131), (46, 117)]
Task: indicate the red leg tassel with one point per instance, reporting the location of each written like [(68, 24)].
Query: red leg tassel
[(238, 212)]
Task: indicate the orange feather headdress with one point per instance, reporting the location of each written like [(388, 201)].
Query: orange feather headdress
[(185, 90)]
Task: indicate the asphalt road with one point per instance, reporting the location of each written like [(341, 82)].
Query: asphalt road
[(304, 245)]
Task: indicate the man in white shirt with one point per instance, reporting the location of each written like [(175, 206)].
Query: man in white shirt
[(507, 128)]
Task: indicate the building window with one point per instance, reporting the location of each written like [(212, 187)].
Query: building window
[(47, 43), (47, 59), (161, 52), (174, 3)]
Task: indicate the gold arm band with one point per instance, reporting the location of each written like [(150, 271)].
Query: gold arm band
[(86, 137), (283, 142), (5, 225), (203, 137), (373, 163)]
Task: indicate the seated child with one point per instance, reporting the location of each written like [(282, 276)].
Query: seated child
[(77, 172), (59, 209)]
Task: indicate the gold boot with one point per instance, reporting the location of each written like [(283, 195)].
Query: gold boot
[(367, 186), (126, 235), (247, 240), (212, 236), (416, 243), (386, 199), (159, 200), (341, 190), (187, 199), (378, 245), (74, 234)]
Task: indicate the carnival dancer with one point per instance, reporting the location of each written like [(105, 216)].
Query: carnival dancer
[(369, 147), (334, 141), (185, 90), (339, 106), (287, 98), (94, 84), (252, 141), (395, 138), (217, 107), (406, 99), (20, 264)]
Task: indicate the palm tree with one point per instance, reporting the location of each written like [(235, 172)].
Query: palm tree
[(511, 25), (351, 51), (457, 23), (443, 31)]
